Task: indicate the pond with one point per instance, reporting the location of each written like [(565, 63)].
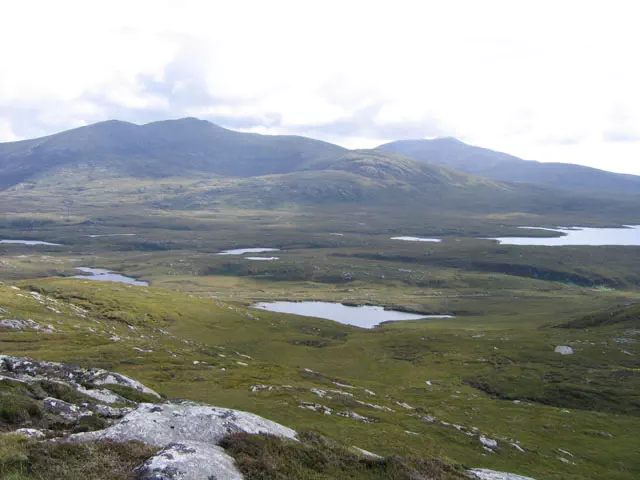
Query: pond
[(365, 316), (102, 275), (96, 235), (416, 239), (264, 259), (627, 235), (242, 251), (29, 242)]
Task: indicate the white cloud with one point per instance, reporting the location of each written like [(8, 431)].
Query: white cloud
[(553, 81), (6, 132)]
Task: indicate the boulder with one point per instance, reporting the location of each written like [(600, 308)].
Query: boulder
[(164, 424), (564, 350), (189, 461)]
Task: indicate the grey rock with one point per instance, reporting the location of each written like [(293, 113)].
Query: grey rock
[(31, 433), (110, 412), (19, 325), (355, 416), (485, 474), (66, 410), (189, 461), (564, 350), (366, 453), (27, 369), (488, 442), (163, 424)]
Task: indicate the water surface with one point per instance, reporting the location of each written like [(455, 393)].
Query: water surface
[(241, 251), (112, 235), (416, 239), (264, 259), (102, 275), (629, 235), (365, 316), (29, 242)]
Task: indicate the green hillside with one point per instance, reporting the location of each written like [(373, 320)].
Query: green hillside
[(453, 153)]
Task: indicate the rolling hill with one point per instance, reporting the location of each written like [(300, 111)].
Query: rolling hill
[(194, 164), (453, 153), (184, 147)]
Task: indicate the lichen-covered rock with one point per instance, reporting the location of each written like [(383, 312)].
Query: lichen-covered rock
[(27, 369), (19, 325), (189, 461), (485, 474), (66, 410), (163, 424), (109, 412), (31, 433), (488, 442), (564, 350)]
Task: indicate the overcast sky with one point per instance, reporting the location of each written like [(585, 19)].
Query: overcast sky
[(546, 80)]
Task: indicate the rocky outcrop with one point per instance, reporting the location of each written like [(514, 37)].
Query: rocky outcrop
[(19, 325), (564, 350), (485, 474), (189, 460), (89, 379), (165, 424), (187, 434)]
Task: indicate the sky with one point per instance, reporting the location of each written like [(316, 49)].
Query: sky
[(544, 80)]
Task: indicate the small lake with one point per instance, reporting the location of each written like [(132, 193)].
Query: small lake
[(627, 236), (29, 242), (264, 259), (102, 275), (112, 235), (417, 239), (365, 316), (242, 251)]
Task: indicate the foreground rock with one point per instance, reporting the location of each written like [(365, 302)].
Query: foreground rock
[(189, 460), (164, 424), (187, 434)]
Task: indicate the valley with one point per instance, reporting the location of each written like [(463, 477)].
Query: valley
[(475, 378)]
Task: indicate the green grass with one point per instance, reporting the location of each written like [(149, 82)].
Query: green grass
[(393, 361), (22, 459), (261, 457), (498, 349)]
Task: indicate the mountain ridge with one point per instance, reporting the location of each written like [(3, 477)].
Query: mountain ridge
[(453, 153)]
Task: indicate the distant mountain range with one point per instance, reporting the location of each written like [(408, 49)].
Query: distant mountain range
[(216, 165), (453, 153)]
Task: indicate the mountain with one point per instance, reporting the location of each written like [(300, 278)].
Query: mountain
[(159, 149), (194, 164), (197, 149), (453, 153)]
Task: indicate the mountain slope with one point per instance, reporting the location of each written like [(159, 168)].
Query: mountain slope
[(453, 153), (160, 149)]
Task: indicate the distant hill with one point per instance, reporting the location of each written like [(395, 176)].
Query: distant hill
[(194, 164), (160, 149), (453, 153)]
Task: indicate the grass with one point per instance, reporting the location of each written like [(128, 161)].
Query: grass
[(261, 457), (393, 361), (23, 459), (498, 349)]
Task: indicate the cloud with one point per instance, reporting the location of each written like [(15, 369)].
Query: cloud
[(554, 81)]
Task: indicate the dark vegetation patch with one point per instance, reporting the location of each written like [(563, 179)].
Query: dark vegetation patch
[(580, 389), (22, 459), (627, 315), (264, 457)]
